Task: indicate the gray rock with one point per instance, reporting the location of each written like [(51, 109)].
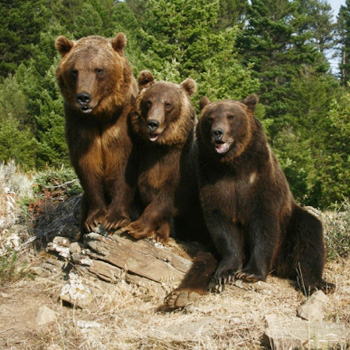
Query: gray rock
[(287, 333), (75, 248), (313, 308), (203, 326), (45, 316)]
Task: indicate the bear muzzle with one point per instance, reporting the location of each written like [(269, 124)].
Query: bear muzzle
[(153, 126), (221, 145), (83, 99)]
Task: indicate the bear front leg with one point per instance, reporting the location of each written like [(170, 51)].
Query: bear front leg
[(155, 220), (122, 195), (93, 207), (263, 237), (227, 239)]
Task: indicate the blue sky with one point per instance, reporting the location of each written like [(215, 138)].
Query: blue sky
[(336, 5)]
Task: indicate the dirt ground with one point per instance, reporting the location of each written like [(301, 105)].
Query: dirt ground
[(122, 317)]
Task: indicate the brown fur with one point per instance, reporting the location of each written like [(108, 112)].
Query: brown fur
[(98, 87), (164, 121), (254, 222)]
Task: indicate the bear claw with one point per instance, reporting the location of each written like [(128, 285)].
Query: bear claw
[(180, 298)]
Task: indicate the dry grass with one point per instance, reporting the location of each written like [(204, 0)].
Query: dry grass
[(122, 316)]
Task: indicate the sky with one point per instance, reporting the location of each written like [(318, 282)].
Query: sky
[(336, 5)]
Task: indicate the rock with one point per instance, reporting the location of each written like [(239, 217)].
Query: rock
[(45, 315), (203, 326), (313, 308), (59, 245), (287, 333), (142, 258), (76, 293), (75, 248)]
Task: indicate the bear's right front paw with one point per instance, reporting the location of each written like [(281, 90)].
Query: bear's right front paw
[(179, 298), (94, 218)]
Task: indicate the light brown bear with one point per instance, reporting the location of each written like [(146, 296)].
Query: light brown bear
[(98, 87)]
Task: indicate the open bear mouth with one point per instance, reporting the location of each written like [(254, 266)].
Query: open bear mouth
[(221, 147), (86, 109), (153, 136)]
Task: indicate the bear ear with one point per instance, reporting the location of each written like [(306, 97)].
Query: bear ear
[(63, 45), (251, 101), (145, 78), (189, 85), (119, 42), (204, 101)]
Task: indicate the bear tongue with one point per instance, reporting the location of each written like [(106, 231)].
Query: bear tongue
[(222, 147)]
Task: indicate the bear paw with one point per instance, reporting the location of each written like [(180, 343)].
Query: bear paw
[(179, 298), (114, 221), (217, 284), (137, 230), (94, 218), (247, 276), (326, 288)]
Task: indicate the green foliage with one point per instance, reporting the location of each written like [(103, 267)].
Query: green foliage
[(21, 23), (11, 268), (57, 182), (231, 48)]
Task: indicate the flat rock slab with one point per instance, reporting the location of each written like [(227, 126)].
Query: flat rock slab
[(287, 333), (143, 258)]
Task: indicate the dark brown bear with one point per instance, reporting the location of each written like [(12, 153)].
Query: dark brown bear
[(98, 87), (164, 121), (254, 222)]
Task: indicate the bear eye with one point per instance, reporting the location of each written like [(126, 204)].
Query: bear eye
[(74, 72), (99, 71), (230, 117), (168, 106), (210, 120), (148, 104)]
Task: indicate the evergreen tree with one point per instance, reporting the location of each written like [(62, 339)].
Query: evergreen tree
[(182, 40), (344, 39), (21, 23), (277, 42)]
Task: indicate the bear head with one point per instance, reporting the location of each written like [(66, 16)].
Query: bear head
[(93, 74), (163, 112), (226, 127)]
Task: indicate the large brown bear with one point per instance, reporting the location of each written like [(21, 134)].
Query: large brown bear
[(164, 121), (253, 220), (98, 87)]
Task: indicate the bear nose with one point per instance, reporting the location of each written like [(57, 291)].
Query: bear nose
[(217, 134), (152, 124), (83, 98)]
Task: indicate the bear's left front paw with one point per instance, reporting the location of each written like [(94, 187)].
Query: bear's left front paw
[(114, 221), (138, 230), (325, 286), (248, 275)]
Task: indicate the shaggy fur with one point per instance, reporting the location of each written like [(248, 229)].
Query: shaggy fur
[(164, 121), (98, 87), (254, 222)]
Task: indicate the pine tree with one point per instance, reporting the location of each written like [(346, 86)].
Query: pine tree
[(344, 38)]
